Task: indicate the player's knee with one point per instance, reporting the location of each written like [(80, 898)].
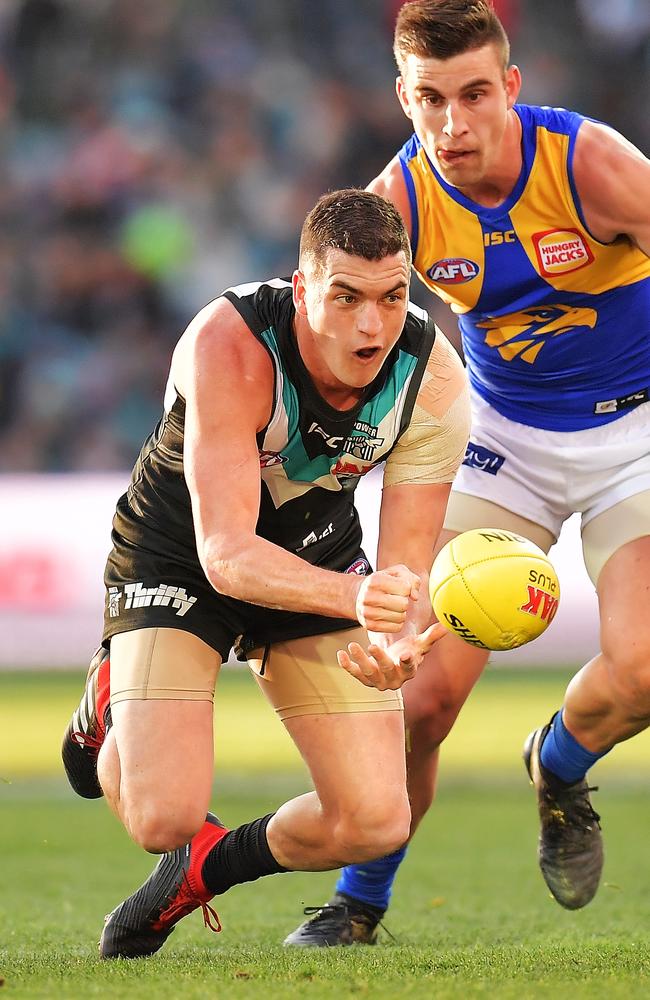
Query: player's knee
[(158, 829), (373, 833), (630, 671), (431, 718)]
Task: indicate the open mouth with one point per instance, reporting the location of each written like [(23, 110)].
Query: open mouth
[(367, 353)]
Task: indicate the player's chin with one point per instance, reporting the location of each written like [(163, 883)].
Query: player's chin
[(461, 172), (359, 383), (365, 366)]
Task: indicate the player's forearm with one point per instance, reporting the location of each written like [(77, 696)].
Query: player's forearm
[(252, 569)]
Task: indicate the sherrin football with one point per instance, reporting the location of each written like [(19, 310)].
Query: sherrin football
[(494, 589)]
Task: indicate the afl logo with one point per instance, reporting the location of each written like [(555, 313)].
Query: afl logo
[(453, 271)]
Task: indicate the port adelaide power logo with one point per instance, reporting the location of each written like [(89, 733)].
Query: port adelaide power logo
[(362, 442)]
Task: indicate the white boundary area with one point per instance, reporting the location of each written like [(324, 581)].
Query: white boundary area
[(55, 535)]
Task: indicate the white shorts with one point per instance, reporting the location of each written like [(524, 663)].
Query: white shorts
[(546, 476)]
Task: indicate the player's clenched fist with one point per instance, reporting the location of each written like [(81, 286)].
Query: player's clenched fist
[(383, 598)]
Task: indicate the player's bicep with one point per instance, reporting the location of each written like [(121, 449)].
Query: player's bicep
[(222, 418), (222, 469), (612, 178)]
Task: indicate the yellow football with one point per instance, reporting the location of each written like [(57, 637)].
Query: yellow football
[(494, 589)]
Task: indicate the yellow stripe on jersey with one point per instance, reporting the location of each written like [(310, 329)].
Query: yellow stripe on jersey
[(448, 232), (551, 232)]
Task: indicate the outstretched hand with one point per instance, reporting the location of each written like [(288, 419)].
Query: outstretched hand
[(387, 669)]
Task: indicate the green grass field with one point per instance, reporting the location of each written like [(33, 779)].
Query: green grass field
[(471, 916)]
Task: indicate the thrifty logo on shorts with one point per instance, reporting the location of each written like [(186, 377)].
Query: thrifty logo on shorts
[(135, 595), (477, 457)]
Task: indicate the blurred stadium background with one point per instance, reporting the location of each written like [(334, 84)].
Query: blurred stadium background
[(154, 153)]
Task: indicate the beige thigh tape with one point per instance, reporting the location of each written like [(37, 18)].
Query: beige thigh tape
[(465, 512), (302, 677), (606, 532), (162, 663)]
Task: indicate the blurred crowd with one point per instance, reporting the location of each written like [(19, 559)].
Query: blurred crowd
[(156, 151)]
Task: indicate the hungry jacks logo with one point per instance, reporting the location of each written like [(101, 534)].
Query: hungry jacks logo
[(560, 251)]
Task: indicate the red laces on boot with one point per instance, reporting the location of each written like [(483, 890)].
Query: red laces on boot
[(185, 902), (86, 740)]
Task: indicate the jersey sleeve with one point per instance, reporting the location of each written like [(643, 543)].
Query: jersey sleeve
[(433, 445)]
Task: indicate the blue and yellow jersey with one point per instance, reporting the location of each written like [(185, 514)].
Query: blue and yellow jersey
[(555, 324)]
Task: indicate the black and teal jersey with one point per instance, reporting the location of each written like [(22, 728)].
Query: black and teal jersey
[(311, 458), (311, 455)]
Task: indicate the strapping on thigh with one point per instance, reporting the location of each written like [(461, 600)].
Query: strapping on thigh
[(466, 511), (604, 534), (161, 663), (303, 677)]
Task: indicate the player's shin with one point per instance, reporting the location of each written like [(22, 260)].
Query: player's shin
[(242, 855), (563, 755), (371, 882)]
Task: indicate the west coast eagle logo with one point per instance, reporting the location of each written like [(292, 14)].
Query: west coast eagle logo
[(523, 334)]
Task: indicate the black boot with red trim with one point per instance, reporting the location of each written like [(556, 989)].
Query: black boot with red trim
[(140, 925)]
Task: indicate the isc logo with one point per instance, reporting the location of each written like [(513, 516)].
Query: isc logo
[(498, 238), (453, 271)]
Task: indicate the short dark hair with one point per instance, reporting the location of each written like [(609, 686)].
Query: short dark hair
[(358, 222), (440, 29)]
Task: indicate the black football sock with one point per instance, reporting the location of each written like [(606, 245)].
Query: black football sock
[(242, 855)]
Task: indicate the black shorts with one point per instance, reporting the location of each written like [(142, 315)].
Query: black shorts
[(147, 590)]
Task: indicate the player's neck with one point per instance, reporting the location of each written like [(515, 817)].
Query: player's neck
[(495, 187), (336, 394)]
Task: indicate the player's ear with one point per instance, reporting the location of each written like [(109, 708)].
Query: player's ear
[(402, 96), (513, 85), (299, 292)]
